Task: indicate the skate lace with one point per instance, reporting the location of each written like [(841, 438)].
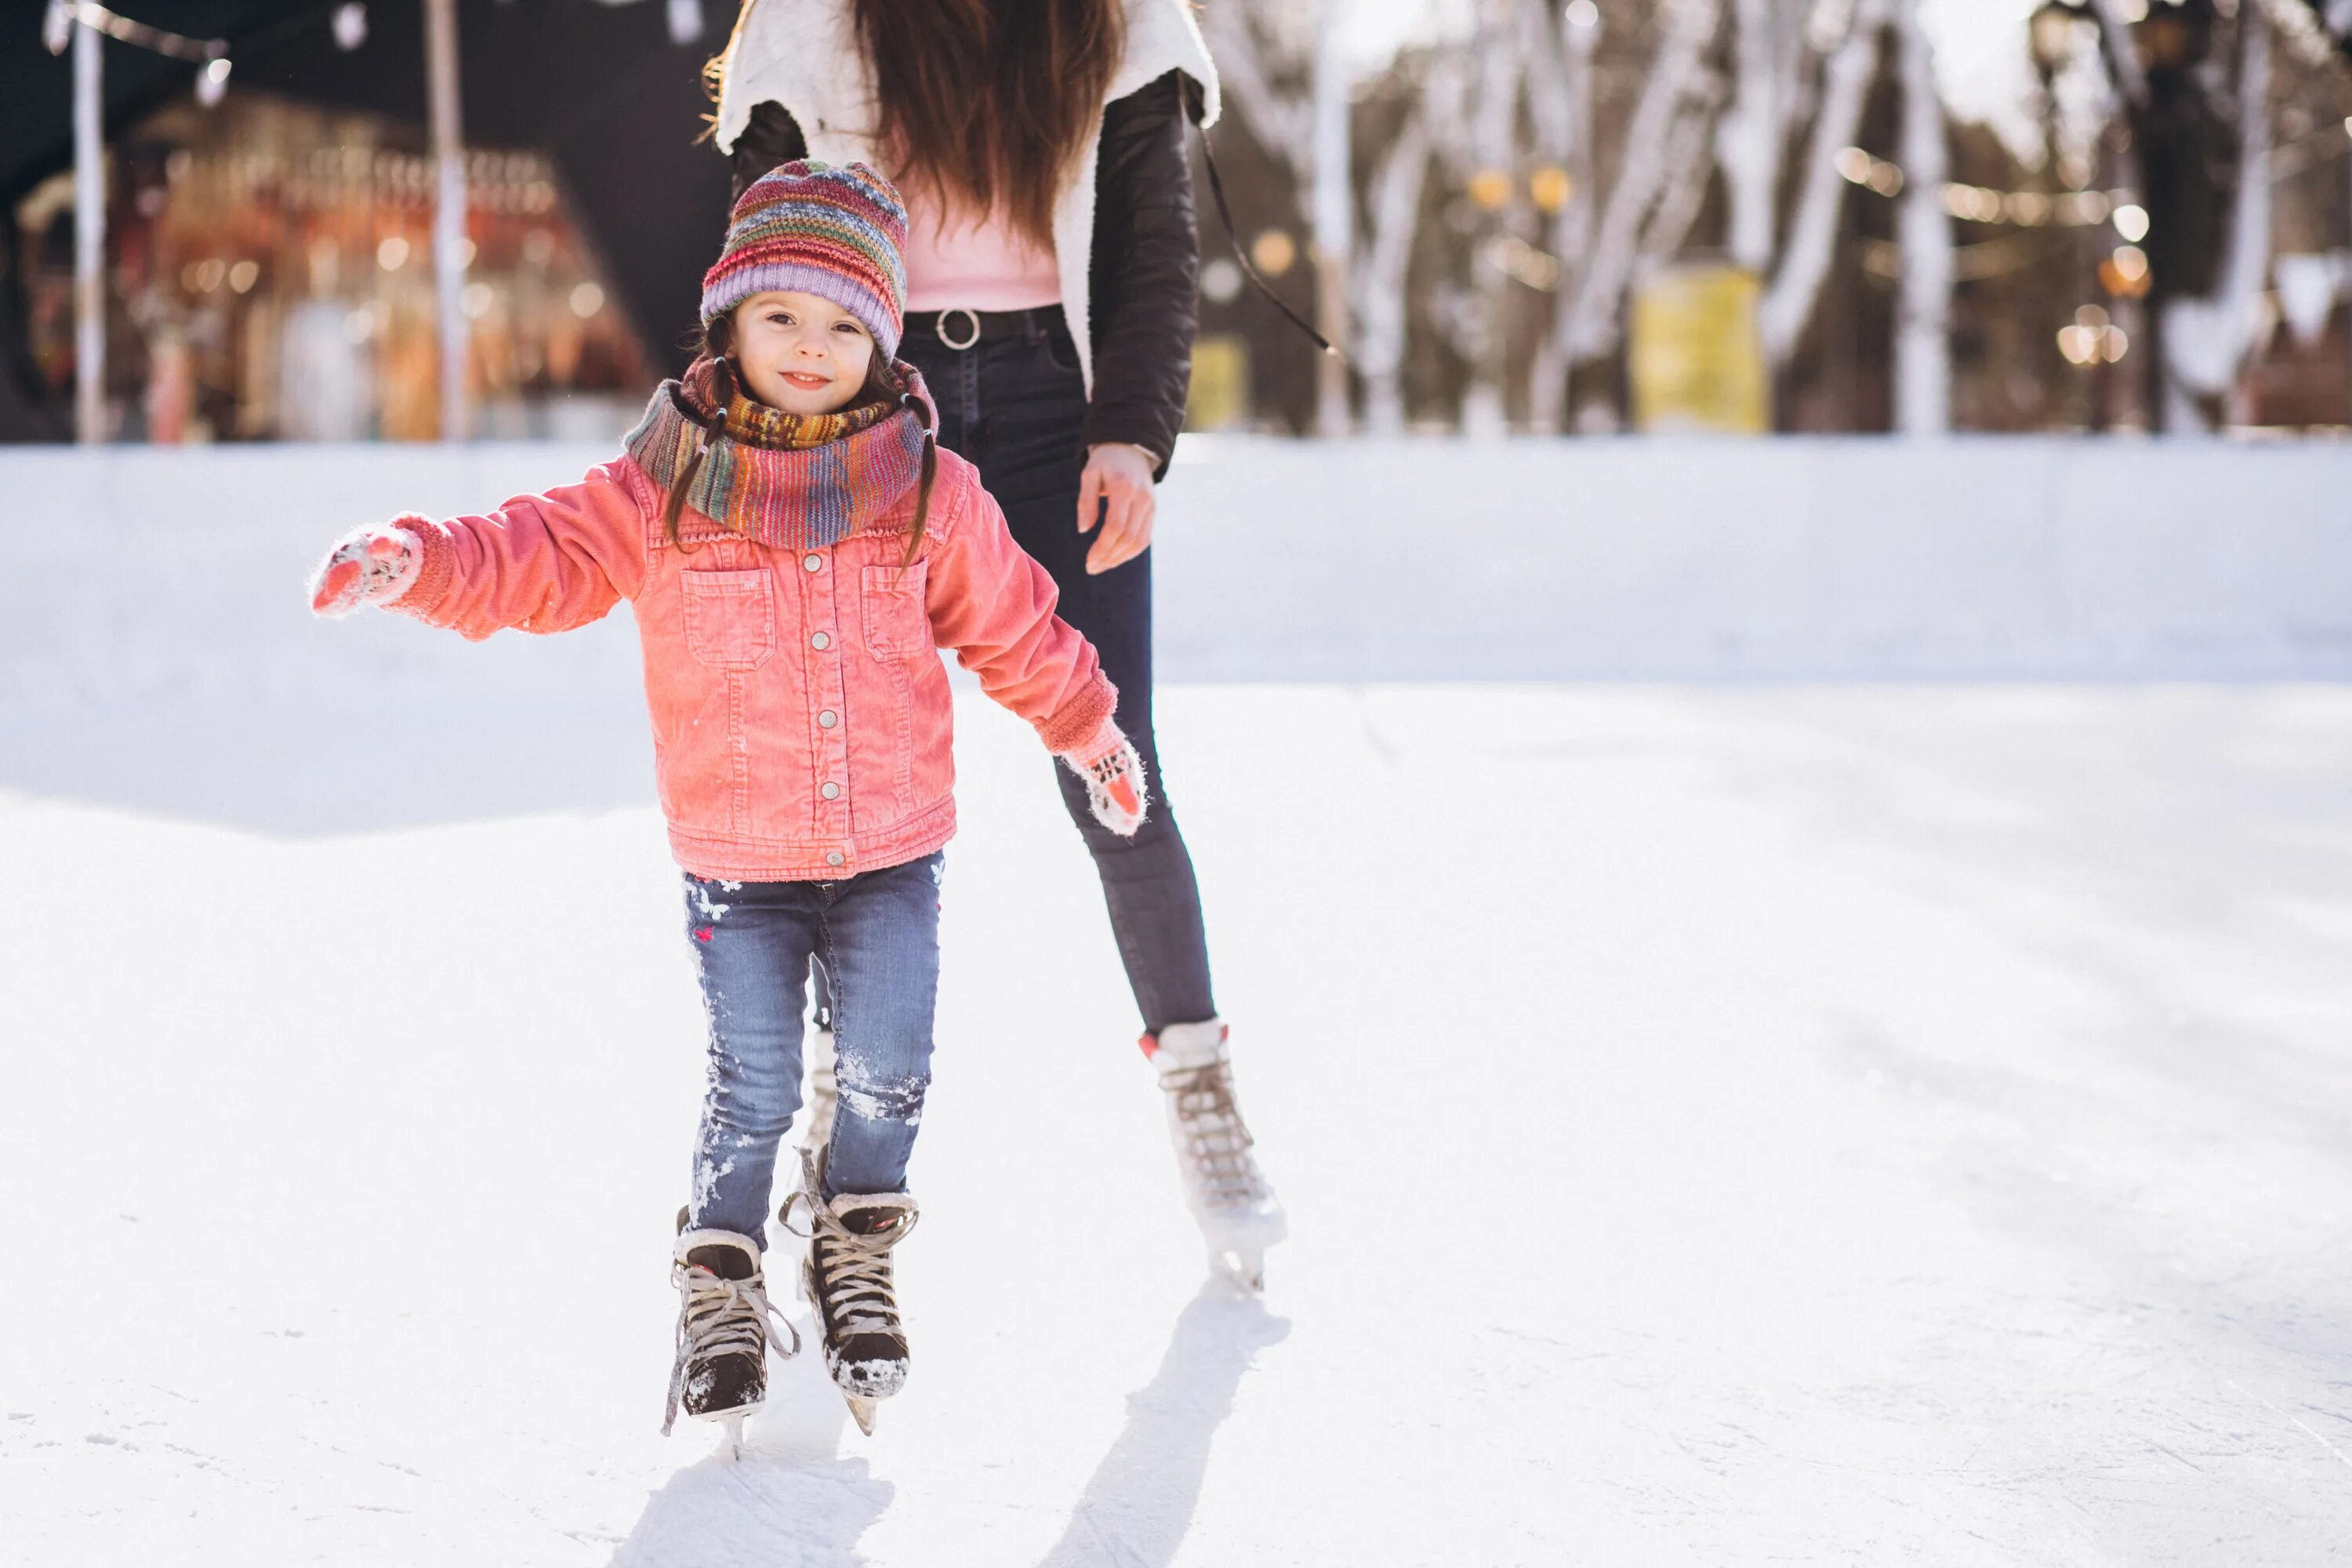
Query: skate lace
[(719, 1317), (1216, 1143), (856, 1267)]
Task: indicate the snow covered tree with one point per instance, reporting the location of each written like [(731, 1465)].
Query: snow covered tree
[(1769, 56), (1265, 55), (1923, 353), (2335, 17), (2196, 93), (1850, 45), (1661, 173)]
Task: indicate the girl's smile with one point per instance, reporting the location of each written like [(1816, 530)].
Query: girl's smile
[(800, 352)]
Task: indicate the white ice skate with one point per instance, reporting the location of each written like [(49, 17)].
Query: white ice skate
[(1229, 1196)]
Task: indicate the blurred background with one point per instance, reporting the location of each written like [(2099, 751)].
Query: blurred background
[(1600, 215), (1873, 902)]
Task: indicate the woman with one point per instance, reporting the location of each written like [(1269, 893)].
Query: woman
[(1050, 305)]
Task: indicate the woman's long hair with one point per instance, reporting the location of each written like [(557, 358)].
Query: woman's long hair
[(991, 100), (717, 344)]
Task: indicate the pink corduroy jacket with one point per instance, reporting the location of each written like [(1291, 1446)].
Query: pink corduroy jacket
[(803, 725)]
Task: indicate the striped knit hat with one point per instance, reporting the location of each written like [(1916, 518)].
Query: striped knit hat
[(836, 232)]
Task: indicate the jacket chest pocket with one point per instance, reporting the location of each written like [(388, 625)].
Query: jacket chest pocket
[(892, 602), (731, 617)]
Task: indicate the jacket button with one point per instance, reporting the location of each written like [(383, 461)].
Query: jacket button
[(821, 641), (831, 790), (827, 719), (814, 561), (833, 858)]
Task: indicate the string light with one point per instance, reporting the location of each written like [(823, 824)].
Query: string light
[(2092, 338), (63, 13), (210, 55), (2069, 209), (1981, 204)]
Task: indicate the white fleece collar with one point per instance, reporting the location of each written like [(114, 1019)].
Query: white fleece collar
[(804, 54)]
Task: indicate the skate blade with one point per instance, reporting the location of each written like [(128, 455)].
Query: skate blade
[(862, 1411), (1241, 1266), (733, 1447)]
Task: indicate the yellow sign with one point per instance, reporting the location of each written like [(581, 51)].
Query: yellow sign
[(1696, 362), (1219, 398)]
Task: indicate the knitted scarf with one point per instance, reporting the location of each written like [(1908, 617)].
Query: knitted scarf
[(793, 481)]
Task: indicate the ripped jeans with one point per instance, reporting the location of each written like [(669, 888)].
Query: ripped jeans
[(878, 935)]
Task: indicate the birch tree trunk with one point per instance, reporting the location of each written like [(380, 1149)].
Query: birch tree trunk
[(1796, 286), (1590, 324), (1749, 140), (1923, 357), (1688, 170), (1559, 63), (1501, 75), (1254, 50), (2206, 341), (1246, 66), (1382, 258)]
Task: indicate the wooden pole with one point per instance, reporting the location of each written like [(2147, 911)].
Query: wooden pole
[(448, 211), (89, 237)]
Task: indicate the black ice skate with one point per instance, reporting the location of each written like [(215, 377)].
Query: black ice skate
[(721, 1371), (848, 1280)]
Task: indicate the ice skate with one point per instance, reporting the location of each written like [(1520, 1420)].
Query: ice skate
[(722, 1370), (847, 1279), (1229, 1196)]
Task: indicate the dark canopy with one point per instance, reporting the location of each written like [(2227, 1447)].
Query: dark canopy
[(600, 88)]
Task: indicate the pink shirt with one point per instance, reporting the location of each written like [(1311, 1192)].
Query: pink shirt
[(955, 260)]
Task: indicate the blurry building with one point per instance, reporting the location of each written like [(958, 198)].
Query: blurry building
[(269, 260), (271, 274)]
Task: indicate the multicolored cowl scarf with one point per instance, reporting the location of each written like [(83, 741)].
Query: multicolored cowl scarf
[(793, 481)]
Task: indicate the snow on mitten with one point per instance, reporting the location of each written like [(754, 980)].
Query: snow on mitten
[(371, 565), (1114, 775)]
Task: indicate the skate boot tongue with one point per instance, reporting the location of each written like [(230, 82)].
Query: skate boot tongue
[(872, 1221), (724, 1262)]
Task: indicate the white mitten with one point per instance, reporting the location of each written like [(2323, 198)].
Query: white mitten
[(371, 565), (1114, 774)]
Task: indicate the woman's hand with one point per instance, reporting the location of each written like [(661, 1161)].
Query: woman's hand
[(1115, 790), (370, 565), (1121, 476)]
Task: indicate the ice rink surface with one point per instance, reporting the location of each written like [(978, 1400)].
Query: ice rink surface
[(1864, 1124)]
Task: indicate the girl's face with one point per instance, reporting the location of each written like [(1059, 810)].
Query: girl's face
[(801, 353)]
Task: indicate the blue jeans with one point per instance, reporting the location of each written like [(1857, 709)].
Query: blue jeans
[(1014, 407), (878, 934)]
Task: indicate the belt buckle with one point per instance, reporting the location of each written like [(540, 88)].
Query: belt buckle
[(940, 326)]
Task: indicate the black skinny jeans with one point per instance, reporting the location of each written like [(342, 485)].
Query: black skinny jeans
[(1012, 406)]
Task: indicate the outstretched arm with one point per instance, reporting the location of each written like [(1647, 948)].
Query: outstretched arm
[(542, 563)]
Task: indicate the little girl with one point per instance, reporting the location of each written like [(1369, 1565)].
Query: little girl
[(794, 545)]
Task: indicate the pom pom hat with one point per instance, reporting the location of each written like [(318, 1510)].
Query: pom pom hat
[(834, 231)]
